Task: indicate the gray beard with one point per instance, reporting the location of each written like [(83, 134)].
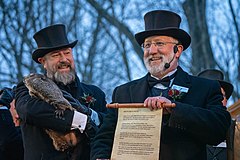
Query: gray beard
[(65, 78), (153, 70)]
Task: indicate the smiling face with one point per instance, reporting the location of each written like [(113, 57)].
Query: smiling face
[(158, 50), (59, 65)]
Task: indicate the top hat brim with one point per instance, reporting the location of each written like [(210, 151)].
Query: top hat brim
[(215, 74), (176, 33), (42, 51), (227, 87)]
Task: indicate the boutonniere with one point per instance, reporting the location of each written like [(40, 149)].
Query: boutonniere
[(88, 99), (177, 92)]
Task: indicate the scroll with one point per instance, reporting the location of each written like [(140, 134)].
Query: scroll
[(138, 132), (135, 105)]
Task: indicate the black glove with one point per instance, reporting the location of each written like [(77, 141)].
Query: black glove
[(91, 129), (6, 96), (76, 104)]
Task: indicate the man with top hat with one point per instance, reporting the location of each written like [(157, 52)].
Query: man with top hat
[(219, 151), (199, 118), (54, 53), (226, 87)]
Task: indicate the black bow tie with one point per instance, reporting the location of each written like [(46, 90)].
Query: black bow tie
[(165, 81)]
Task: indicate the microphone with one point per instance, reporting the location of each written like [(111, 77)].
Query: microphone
[(167, 65), (175, 50)]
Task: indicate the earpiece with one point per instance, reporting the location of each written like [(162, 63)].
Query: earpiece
[(175, 49)]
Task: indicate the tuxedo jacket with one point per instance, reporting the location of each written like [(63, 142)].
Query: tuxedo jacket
[(198, 118), (37, 115)]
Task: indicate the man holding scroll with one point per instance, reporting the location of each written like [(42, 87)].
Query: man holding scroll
[(198, 118)]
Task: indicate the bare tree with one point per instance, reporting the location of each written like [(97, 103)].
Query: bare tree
[(202, 56), (107, 53), (234, 15), (215, 34)]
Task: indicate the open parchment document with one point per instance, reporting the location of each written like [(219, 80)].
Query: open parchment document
[(137, 134)]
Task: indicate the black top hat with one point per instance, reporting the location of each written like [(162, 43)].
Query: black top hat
[(166, 23), (51, 38), (215, 74)]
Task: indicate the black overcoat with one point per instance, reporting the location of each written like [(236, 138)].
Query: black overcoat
[(37, 115), (11, 145), (198, 119)]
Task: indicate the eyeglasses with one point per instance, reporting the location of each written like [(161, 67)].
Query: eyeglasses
[(147, 45)]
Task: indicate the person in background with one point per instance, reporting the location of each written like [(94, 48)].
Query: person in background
[(11, 145), (218, 152), (226, 87), (199, 118), (55, 54)]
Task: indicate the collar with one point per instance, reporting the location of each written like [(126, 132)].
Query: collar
[(159, 85)]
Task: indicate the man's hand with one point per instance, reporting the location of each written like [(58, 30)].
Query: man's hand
[(76, 104), (154, 103), (14, 114)]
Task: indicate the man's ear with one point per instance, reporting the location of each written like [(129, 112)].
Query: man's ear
[(41, 60), (179, 52)]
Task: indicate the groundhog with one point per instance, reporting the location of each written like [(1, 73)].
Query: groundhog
[(44, 88)]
